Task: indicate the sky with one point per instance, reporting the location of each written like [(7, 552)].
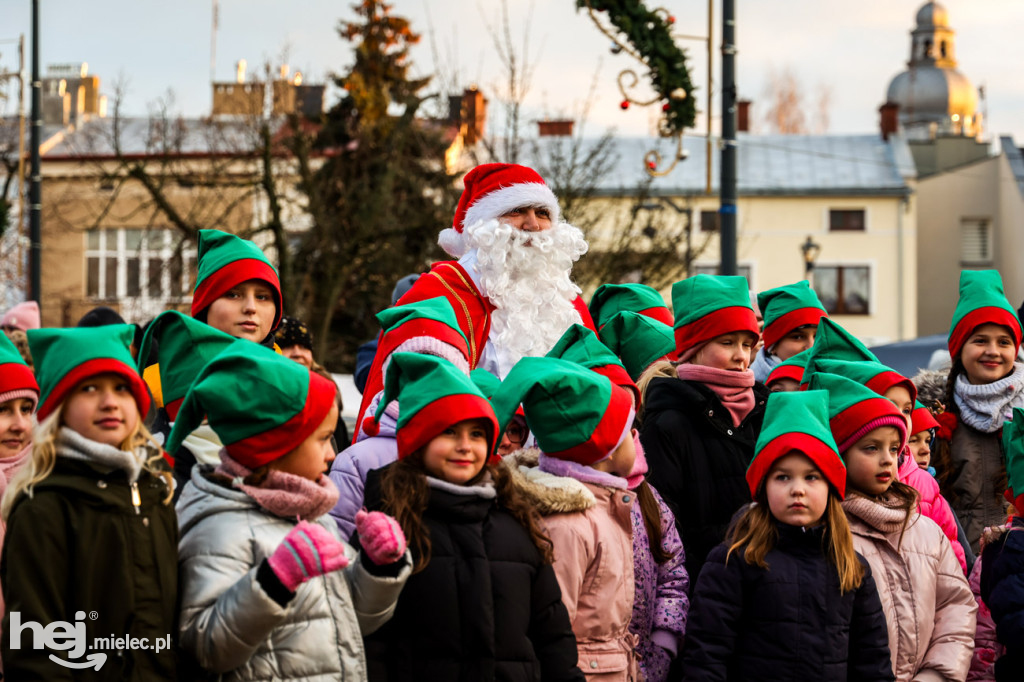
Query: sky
[(851, 49)]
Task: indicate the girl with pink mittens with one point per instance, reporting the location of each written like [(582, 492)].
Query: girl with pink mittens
[(268, 589), (483, 602)]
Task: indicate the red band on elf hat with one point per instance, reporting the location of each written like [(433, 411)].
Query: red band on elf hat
[(263, 448), (978, 317), (16, 377), (823, 456), (794, 372), (853, 420), (91, 368), (659, 313), (422, 326), (882, 382), (921, 419), (608, 434), (794, 319), (620, 377), (721, 321), (231, 275), (423, 426)]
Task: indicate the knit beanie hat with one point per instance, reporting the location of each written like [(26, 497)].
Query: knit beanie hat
[(708, 306), (581, 345), (790, 368), (402, 287), (921, 419), (611, 299), (100, 316), (293, 332), (982, 301), (638, 340), (1013, 446), (787, 308), (226, 261), (574, 414), (66, 357), (490, 191), (433, 395), (260, 404), (874, 375), (797, 420), (183, 347), (16, 378), (23, 316), (855, 410)]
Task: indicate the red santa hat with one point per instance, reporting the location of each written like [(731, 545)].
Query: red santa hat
[(490, 191)]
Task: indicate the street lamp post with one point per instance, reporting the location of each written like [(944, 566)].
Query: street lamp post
[(810, 249)]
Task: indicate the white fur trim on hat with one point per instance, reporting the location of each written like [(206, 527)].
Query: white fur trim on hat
[(499, 202), (453, 242)]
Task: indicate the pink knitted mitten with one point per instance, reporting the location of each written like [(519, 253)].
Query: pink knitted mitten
[(381, 537), (307, 551)]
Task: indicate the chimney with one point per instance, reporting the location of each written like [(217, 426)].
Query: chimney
[(474, 115), (240, 71), (556, 128), (890, 119), (743, 116)]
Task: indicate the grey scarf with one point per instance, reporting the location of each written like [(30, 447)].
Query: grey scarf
[(73, 445), (986, 406)]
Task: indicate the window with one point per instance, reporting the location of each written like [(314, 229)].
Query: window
[(742, 270), (850, 220), (844, 289), (975, 241), (148, 265), (709, 221)]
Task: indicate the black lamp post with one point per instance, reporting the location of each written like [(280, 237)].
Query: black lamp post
[(810, 249)]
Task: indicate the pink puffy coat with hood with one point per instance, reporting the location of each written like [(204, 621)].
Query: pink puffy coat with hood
[(931, 503)]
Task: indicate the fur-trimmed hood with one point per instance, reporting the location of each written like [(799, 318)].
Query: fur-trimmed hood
[(550, 494), (931, 386)]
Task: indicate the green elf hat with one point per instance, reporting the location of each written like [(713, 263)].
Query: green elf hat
[(982, 301), (226, 261), (834, 342), (611, 299), (708, 306), (855, 410), (485, 381), (433, 395), (66, 357), (787, 308), (638, 340), (581, 345), (184, 347), (16, 377), (262, 405), (790, 368), (427, 326), (575, 414), (1013, 446), (797, 420), (921, 419), (874, 375)]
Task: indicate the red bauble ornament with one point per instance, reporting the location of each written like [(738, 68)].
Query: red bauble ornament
[(671, 19), (652, 165), (624, 104), (664, 107)]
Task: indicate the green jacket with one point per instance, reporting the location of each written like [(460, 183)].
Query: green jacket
[(80, 547)]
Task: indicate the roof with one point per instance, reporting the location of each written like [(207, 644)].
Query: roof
[(767, 165), (1016, 159), (141, 136)]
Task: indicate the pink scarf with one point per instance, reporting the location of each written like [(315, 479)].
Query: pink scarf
[(636, 476), (285, 495), (734, 389)]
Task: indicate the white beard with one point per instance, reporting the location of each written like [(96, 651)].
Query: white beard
[(526, 276)]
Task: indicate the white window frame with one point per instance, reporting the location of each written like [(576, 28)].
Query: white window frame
[(119, 251)]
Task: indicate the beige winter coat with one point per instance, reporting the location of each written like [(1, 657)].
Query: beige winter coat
[(592, 533), (927, 602)]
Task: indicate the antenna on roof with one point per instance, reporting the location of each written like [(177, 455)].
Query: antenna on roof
[(213, 42)]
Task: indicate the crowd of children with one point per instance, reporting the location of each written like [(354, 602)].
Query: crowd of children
[(662, 499)]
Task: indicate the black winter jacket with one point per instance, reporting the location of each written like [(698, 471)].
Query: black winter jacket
[(486, 607), (789, 622), (1002, 589), (698, 460)]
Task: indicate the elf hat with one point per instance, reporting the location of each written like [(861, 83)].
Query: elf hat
[(798, 421), (638, 340), (485, 381), (790, 368), (581, 345), (1013, 446), (490, 191), (921, 419), (708, 306), (427, 326), (787, 308), (66, 357), (433, 395), (575, 414), (982, 301), (874, 375), (262, 405), (834, 342), (16, 378), (855, 410), (184, 347), (226, 261), (611, 299)]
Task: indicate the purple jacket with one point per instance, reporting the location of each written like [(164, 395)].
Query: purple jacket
[(660, 603), (353, 464)]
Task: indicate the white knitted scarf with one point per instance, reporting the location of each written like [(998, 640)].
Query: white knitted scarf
[(986, 406)]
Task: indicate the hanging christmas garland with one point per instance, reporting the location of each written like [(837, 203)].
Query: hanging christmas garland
[(649, 37)]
